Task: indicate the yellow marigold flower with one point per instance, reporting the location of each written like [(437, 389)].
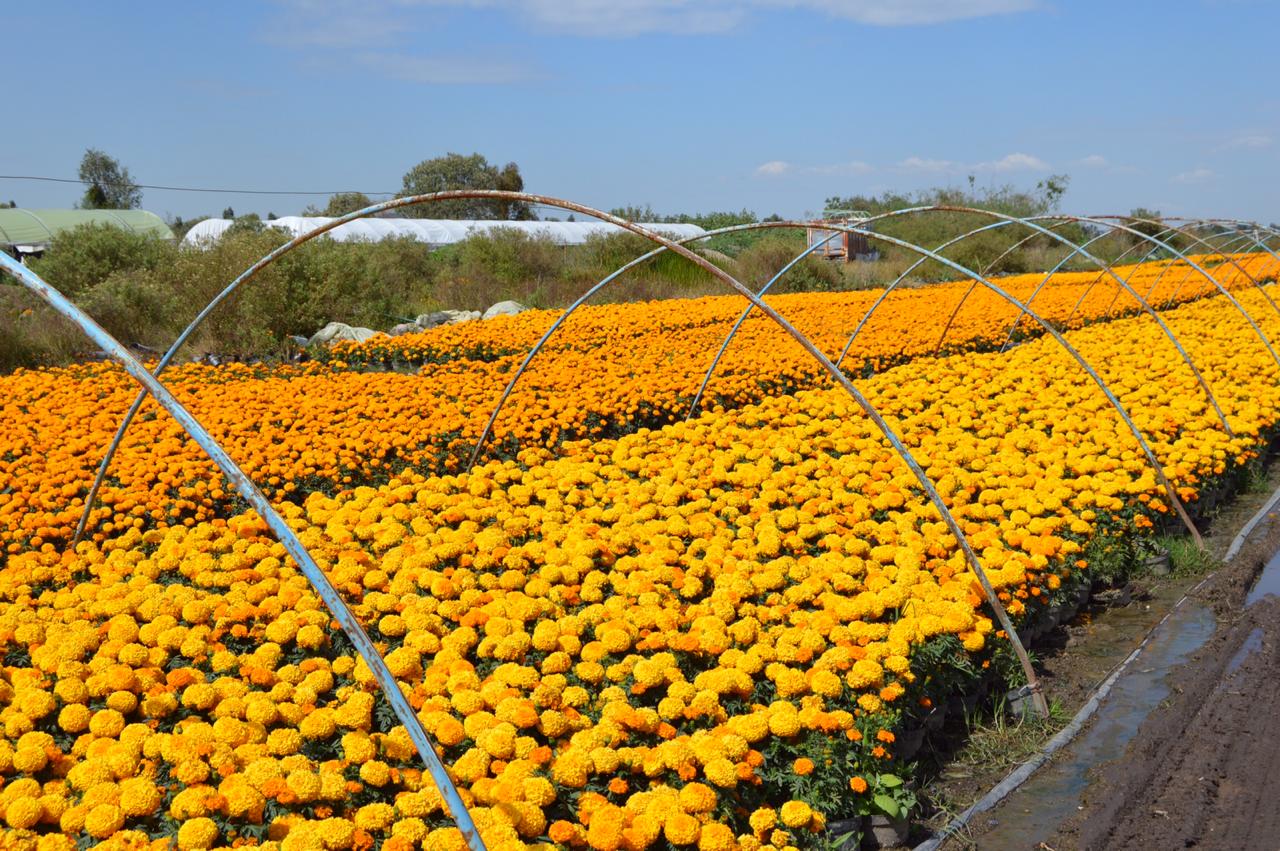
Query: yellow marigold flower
[(305, 785), (320, 724), (539, 791), (30, 760), (446, 839), (722, 772), (139, 797), (681, 829), (197, 833), (763, 820), (605, 831), (571, 768), (23, 813), (106, 723), (375, 773), (697, 798), (103, 820), (716, 837), (795, 814), (375, 817), (337, 833)]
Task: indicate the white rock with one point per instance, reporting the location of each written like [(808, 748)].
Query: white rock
[(336, 332), (446, 317), (504, 308), (405, 328)]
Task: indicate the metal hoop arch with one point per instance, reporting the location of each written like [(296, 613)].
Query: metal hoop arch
[(1163, 479), (872, 413), (1147, 307), (1200, 241), (1004, 220), (1172, 494), (249, 491)]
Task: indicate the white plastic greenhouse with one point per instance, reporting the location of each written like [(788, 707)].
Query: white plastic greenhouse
[(436, 231)]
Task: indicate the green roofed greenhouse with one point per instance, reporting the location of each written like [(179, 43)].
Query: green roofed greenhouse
[(31, 231)]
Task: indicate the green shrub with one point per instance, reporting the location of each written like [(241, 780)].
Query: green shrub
[(135, 307), (32, 333), (86, 255), (761, 261)]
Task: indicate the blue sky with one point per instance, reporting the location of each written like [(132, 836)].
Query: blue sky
[(686, 105)]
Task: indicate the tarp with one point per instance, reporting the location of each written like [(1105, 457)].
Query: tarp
[(37, 228), (436, 231)]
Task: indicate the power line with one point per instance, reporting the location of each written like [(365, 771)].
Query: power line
[(182, 188)]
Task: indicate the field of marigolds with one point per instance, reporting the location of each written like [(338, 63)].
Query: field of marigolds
[(624, 629)]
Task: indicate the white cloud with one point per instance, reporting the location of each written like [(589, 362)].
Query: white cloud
[(1014, 162), (1249, 140), (846, 169), (623, 18), (320, 24), (1195, 175), (444, 70), (899, 13), (1095, 161), (773, 168), (928, 165)]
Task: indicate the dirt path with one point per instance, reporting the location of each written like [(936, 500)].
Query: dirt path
[(1204, 769)]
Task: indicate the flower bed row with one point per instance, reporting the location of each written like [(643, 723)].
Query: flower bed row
[(330, 427), (708, 635)]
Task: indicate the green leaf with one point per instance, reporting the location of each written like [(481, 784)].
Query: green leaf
[(890, 781), (887, 805)]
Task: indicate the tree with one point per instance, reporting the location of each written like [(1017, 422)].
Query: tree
[(110, 186), (455, 171), (340, 204), (228, 213)]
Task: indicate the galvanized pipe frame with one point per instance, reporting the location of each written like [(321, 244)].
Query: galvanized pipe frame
[(1186, 275), (1173, 263), (1076, 249), (1200, 241), (917, 471), (336, 605), (1168, 264), (1146, 299), (1157, 467), (724, 347), (1032, 222), (1171, 493), (1242, 236)]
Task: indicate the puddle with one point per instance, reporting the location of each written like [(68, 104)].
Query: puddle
[(1268, 582), (1030, 815), (1251, 645)]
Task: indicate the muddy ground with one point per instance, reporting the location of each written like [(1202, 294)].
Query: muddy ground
[(1204, 769), (1211, 719)]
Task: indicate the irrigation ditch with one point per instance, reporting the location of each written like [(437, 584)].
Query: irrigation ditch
[(1161, 734)]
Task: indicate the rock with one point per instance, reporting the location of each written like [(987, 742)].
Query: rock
[(504, 308), (298, 341), (446, 317), (405, 328), (336, 332)]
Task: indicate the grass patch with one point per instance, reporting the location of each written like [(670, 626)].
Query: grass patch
[(1185, 558)]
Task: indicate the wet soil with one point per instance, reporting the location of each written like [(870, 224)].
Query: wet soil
[(1071, 663), (1202, 770), (1046, 813)]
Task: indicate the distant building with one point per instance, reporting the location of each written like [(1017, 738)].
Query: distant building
[(838, 244), (29, 232), (436, 232)]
